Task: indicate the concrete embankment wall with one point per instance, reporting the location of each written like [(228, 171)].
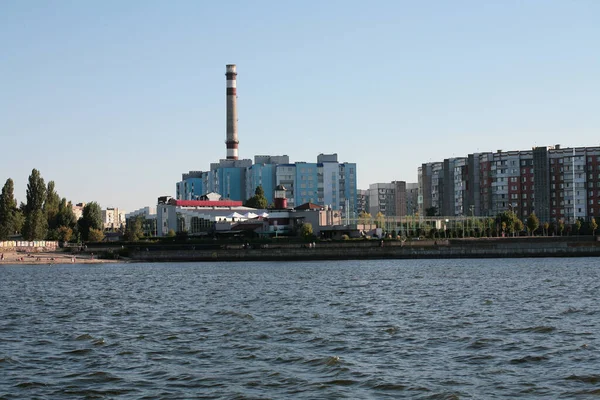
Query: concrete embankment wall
[(346, 251)]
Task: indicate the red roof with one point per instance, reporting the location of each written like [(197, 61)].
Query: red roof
[(309, 206), (205, 203)]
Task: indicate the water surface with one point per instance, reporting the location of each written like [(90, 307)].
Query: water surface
[(423, 329)]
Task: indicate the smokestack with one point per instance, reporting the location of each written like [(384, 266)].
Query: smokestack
[(232, 133)]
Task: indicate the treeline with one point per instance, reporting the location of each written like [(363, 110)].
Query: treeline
[(506, 223), (45, 216)]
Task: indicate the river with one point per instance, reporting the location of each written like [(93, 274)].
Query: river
[(422, 329)]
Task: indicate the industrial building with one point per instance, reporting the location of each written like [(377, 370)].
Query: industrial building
[(327, 182)]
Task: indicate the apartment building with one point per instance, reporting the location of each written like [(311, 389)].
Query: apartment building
[(555, 183)]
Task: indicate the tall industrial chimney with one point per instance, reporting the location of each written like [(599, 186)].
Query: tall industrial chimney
[(232, 132)]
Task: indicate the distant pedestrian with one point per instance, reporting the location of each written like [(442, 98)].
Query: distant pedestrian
[(2, 257)]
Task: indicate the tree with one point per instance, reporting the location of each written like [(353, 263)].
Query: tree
[(533, 223), (65, 216), (19, 220), (431, 211), (561, 227), (508, 221), (306, 230), (36, 224), (51, 206), (95, 235), (593, 226), (91, 218), (546, 227), (364, 218), (134, 230), (258, 200), (171, 233), (65, 233), (578, 226), (379, 220), (518, 226), (8, 209)]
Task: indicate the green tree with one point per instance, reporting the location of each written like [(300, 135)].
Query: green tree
[(518, 226), (508, 221), (379, 220), (8, 210), (578, 226), (533, 223), (258, 200), (64, 233), (546, 227), (306, 230), (36, 224), (561, 227), (593, 226), (91, 218), (171, 233), (51, 206), (134, 230), (19, 220), (65, 216), (95, 235), (364, 218), (431, 211)]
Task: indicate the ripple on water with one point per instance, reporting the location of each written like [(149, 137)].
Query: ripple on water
[(592, 379), (368, 329), (529, 359)]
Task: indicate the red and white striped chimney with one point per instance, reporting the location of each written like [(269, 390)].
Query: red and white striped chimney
[(232, 132)]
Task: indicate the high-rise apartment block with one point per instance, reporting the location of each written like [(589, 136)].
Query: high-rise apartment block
[(553, 182), (394, 199)]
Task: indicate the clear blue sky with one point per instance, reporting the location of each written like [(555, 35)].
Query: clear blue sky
[(113, 100)]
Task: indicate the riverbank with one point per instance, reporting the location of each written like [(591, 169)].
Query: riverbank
[(50, 258), (432, 249)]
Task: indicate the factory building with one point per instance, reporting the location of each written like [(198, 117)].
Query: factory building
[(326, 182)]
